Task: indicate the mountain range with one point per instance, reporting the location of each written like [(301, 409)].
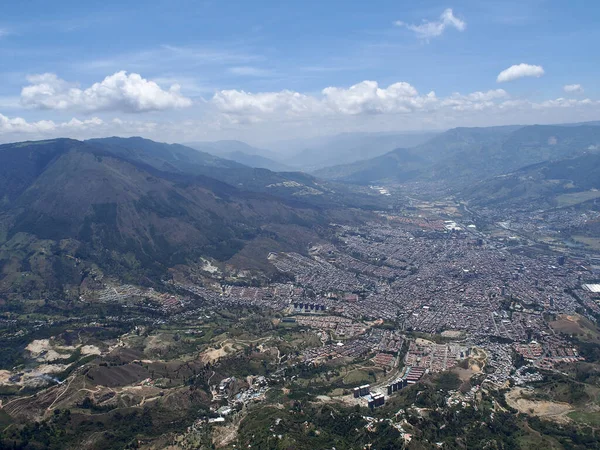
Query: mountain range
[(242, 153), (136, 208), (312, 153), (291, 186), (317, 153), (465, 155), (550, 184)]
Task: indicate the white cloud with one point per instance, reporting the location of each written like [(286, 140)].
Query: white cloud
[(241, 103), (17, 128), (189, 84), (264, 116), (428, 30), (519, 71), (563, 103), (476, 101), (20, 125), (489, 95), (118, 92), (4, 32), (362, 98), (367, 97), (573, 89)]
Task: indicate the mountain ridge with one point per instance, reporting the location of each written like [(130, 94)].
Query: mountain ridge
[(81, 201), (465, 155)]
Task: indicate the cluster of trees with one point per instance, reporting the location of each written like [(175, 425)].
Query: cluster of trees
[(118, 431)]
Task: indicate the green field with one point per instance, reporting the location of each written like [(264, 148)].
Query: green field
[(359, 376), (5, 419), (534, 440), (565, 200), (588, 418), (591, 242)]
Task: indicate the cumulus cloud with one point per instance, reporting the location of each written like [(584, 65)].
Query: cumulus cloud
[(362, 98), (475, 101), (428, 30), (563, 103), (369, 99), (17, 128), (20, 125), (365, 106), (118, 92), (249, 107), (488, 95), (573, 89), (519, 71)]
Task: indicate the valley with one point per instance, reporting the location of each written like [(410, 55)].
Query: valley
[(299, 225), (146, 304)]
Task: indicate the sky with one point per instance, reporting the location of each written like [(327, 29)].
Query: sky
[(264, 71)]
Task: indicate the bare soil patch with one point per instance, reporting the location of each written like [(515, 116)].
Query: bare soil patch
[(516, 398), (212, 355)]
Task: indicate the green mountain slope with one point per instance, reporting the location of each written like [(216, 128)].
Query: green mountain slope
[(559, 183), (347, 148), (68, 199), (257, 161), (399, 165), (465, 155), (291, 186), (167, 157)]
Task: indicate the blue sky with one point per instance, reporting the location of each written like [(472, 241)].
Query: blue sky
[(267, 70)]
